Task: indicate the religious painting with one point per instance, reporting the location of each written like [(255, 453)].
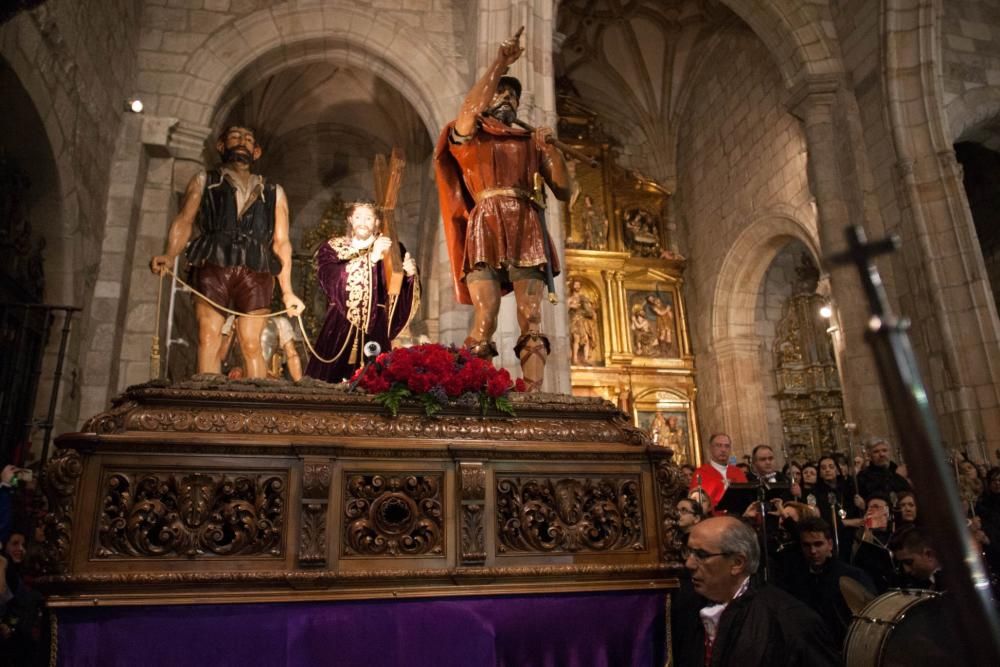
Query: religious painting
[(583, 304), (668, 425), (652, 324)]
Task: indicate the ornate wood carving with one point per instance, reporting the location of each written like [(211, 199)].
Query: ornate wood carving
[(670, 488), (246, 409), (315, 500), (565, 514), (312, 538), (62, 474), (805, 368), (393, 514), (472, 501), (171, 514)]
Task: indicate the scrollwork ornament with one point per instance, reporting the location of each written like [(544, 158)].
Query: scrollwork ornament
[(393, 515), (312, 545), (670, 488), (147, 514), (62, 475), (558, 514)]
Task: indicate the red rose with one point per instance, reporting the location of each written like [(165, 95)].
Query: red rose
[(519, 385), (419, 384), (453, 386), (498, 385)]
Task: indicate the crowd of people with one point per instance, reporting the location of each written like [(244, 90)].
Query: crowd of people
[(22, 630), (813, 524)]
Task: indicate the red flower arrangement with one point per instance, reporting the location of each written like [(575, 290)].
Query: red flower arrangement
[(436, 375)]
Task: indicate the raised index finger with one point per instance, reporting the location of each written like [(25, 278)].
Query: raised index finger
[(517, 35)]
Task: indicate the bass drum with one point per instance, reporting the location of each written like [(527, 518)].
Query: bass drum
[(901, 629)]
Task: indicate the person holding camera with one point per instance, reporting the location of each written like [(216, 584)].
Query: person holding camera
[(359, 308)]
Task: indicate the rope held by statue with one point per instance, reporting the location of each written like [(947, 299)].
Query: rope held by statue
[(154, 356)]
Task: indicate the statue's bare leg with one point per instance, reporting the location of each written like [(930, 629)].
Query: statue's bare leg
[(532, 347), (486, 305), (250, 329), (294, 361), (210, 323)]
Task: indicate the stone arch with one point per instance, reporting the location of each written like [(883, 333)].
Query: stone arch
[(975, 116), (256, 45), (50, 168), (793, 34), (746, 263)]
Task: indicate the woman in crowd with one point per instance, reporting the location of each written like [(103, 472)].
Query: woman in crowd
[(906, 510), (20, 621), (835, 501), (871, 544), (809, 476)]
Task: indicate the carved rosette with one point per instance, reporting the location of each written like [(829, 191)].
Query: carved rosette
[(559, 514), (393, 515), (163, 514), (62, 475), (670, 488), (472, 501), (315, 494)]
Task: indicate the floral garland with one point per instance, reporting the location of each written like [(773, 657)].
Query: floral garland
[(436, 375)]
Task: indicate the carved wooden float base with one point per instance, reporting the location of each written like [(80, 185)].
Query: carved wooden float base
[(218, 491)]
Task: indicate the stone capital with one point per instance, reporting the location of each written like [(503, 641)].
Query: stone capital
[(813, 97), (156, 134), (188, 140)]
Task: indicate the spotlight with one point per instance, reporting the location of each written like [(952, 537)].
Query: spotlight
[(134, 105), (825, 311)]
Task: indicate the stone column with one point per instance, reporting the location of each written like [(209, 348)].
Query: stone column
[(836, 173), (497, 21), (737, 361), (174, 153)]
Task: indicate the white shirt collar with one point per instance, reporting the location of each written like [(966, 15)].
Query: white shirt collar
[(711, 614)]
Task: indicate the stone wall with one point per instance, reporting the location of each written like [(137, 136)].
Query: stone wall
[(970, 67), (740, 155), (76, 61), (778, 284)]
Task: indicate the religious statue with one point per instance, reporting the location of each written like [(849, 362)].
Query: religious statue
[(489, 177), (644, 343), (664, 323), (595, 225), (667, 432), (352, 276), (583, 336), (241, 246), (640, 233), (277, 340)]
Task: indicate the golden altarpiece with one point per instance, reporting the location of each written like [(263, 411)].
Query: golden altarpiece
[(624, 272)]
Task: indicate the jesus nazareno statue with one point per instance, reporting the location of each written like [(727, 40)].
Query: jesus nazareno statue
[(359, 308)]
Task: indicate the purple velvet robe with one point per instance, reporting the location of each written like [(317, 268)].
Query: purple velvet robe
[(357, 310)]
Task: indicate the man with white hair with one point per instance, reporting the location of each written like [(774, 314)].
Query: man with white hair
[(742, 624)]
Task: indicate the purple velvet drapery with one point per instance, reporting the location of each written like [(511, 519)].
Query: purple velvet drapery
[(569, 630)]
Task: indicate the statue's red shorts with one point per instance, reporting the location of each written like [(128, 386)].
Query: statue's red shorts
[(235, 287)]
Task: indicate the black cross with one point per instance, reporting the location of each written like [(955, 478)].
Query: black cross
[(862, 254)]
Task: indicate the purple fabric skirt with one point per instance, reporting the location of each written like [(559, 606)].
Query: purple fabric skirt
[(568, 630)]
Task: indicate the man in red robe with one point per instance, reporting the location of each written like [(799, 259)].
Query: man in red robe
[(715, 475), (486, 173)]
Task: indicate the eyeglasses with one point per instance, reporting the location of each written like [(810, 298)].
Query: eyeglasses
[(701, 555), (684, 510)]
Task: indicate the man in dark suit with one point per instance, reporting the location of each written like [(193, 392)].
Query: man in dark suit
[(815, 577), (742, 624)]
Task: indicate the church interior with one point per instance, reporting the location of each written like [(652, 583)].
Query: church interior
[(733, 142)]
